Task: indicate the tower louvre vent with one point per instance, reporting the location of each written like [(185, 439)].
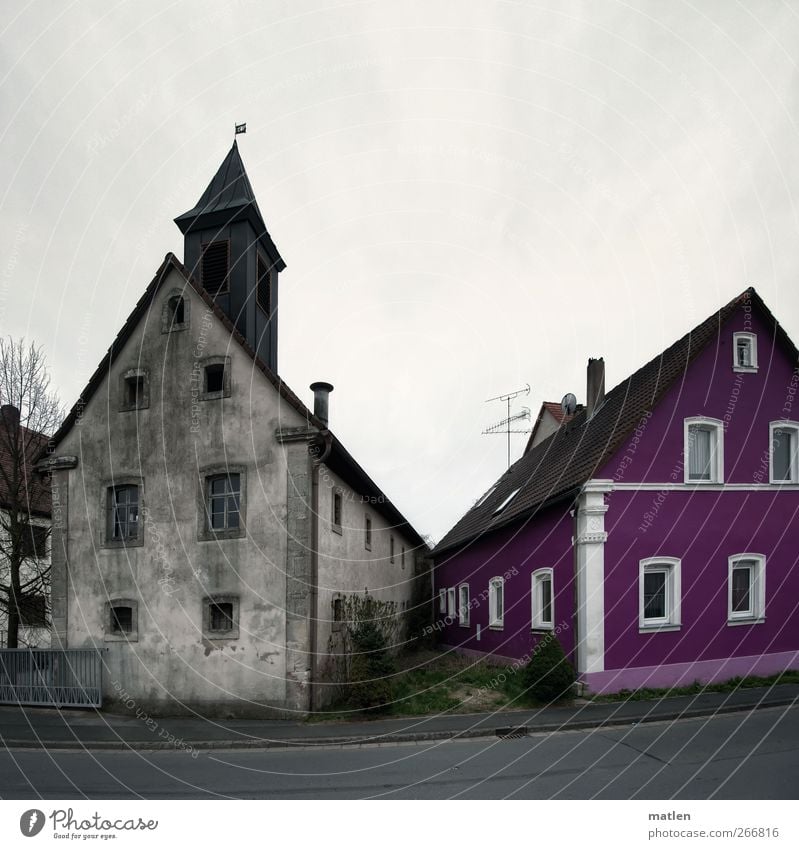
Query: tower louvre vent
[(215, 264)]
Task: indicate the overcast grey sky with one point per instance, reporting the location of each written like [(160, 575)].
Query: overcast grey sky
[(469, 196)]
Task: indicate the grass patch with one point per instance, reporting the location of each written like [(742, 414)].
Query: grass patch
[(645, 693), (428, 682)]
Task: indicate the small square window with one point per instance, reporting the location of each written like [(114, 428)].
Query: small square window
[(744, 352), (215, 378), (338, 610), (121, 624), (221, 617), (451, 603), (135, 390), (659, 594), (121, 619)]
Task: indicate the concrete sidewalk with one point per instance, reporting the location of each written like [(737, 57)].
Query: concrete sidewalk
[(26, 727)]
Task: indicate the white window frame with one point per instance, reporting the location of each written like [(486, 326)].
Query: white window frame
[(671, 566), (752, 339), (442, 601), (506, 501), (784, 424), (451, 603), (757, 589), (716, 427), (495, 621), (463, 609), (537, 613)]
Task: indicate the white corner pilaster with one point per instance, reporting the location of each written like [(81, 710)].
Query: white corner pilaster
[(590, 575)]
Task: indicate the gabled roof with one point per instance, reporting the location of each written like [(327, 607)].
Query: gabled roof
[(557, 468), (229, 197), (340, 459), (556, 411)]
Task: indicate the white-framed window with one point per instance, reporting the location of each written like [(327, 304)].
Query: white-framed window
[(506, 501), (746, 588), (744, 352), (463, 605), (659, 593), (784, 452), (543, 599), (451, 603), (442, 601), (704, 450), (496, 603)]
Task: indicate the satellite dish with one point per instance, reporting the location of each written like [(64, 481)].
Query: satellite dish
[(568, 404)]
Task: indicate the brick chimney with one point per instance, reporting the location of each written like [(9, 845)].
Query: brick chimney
[(595, 391)]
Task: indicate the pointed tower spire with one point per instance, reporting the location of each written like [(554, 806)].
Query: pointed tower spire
[(228, 249)]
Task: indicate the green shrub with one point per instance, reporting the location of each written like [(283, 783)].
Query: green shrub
[(371, 669), (549, 677)]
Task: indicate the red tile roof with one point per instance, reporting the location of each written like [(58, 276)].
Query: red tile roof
[(32, 490)]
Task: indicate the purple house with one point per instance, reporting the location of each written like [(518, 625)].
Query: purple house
[(657, 532)]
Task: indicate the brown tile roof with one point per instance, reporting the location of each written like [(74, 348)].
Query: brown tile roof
[(557, 467), (343, 461)]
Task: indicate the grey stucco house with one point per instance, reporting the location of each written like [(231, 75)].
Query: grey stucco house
[(206, 522)]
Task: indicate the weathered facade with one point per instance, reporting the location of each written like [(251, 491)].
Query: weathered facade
[(194, 539), (655, 533)]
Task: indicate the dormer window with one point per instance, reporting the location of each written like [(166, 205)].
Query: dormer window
[(744, 351), (506, 501), (214, 267)]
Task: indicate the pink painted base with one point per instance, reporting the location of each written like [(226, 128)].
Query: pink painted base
[(683, 674)]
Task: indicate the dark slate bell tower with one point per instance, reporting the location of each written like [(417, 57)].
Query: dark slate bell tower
[(228, 250)]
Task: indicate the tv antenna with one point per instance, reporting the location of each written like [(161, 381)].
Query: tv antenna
[(505, 425)]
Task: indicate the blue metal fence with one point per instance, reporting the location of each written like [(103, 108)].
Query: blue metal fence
[(51, 677)]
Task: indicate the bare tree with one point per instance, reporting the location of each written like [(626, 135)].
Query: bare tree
[(30, 414)]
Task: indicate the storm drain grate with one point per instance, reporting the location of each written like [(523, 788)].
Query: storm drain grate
[(512, 733)]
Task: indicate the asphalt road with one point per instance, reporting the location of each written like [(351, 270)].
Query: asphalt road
[(734, 756)]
